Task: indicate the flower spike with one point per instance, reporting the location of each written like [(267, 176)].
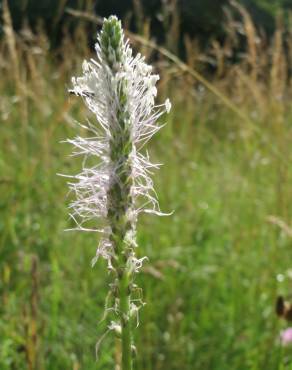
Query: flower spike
[(120, 90)]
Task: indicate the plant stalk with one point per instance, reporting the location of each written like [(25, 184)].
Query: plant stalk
[(126, 334), (120, 200)]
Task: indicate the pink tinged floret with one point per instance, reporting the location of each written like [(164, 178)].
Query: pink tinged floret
[(286, 337)]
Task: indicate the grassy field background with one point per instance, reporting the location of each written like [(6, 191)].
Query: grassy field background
[(215, 266)]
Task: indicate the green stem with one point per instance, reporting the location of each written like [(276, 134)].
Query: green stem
[(119, 194), (125, 322)]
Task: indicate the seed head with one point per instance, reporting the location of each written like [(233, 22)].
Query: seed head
[(120, 90)]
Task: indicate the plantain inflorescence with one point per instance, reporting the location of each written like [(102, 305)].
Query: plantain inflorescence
[(119, 89)]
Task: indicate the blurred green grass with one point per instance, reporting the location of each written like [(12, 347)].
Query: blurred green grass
[(215, 266), (210, 302)]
